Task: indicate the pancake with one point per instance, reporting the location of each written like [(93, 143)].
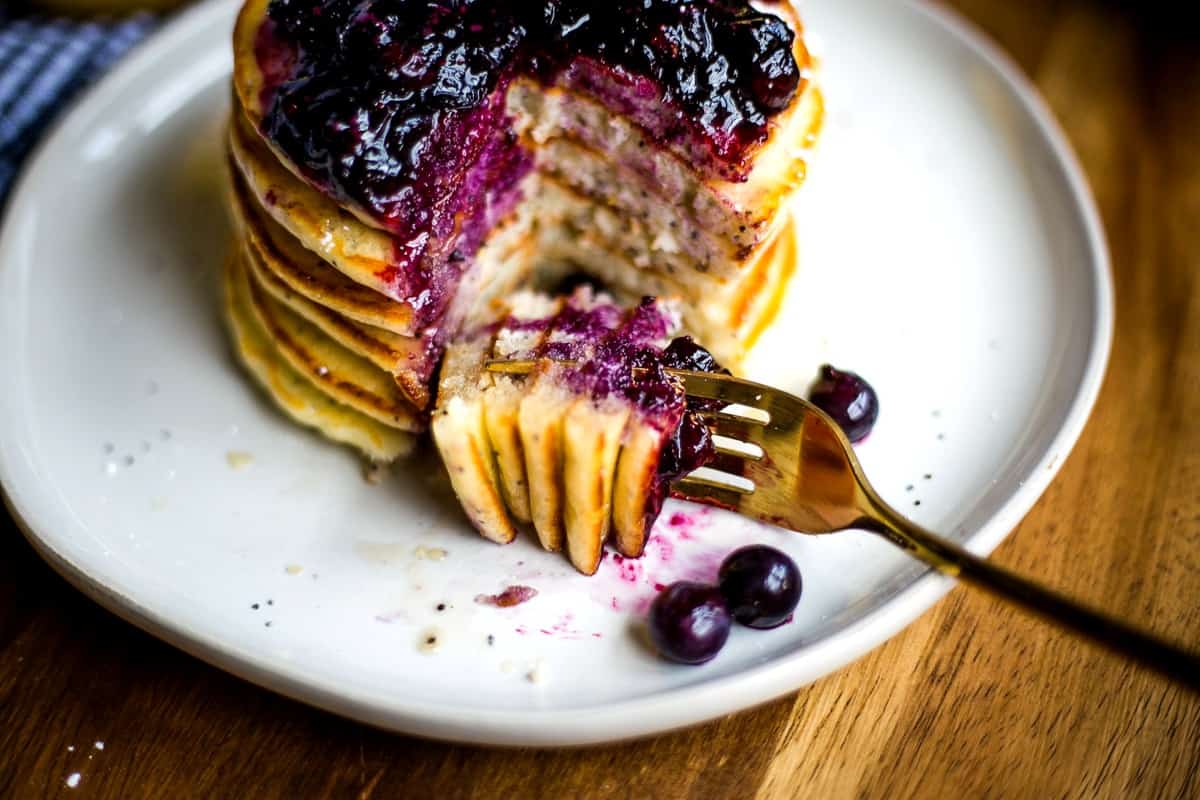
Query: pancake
[(349, 311), (248, 80), (596, 426), (590, 174), (502, 399), (724, 312), (592, 433), (296, 396), (579, 450), (460, 432), (600, 153), (362, 253), (545, 398), (738, 207), (635, 478), (727, 316), (397, 355), (310, 234), (306, 273), (647, 243), (341, 308), (647, 200), (347, 378), (392, 219)]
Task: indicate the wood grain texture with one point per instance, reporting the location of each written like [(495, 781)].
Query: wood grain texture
[(973, 700)]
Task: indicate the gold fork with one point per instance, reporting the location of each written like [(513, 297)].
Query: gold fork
[(790, 465)]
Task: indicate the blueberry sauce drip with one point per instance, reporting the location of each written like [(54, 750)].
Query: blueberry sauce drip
[(685, 353), (690, 445), (397, 106)]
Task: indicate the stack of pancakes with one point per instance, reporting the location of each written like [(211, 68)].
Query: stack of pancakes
[(315, 311)]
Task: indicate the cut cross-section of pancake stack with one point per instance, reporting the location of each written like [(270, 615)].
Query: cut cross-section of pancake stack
[(398, 169)]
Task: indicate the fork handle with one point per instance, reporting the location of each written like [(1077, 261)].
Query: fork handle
[(1120, 637)]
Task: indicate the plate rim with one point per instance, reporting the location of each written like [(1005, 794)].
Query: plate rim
[(667, 710)]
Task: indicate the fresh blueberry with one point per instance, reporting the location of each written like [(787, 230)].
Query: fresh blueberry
[(689, 622), (761, 586), (848, 399), (684, 353)]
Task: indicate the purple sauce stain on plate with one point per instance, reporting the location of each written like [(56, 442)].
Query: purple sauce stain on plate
[(511, 596), (674, 551)]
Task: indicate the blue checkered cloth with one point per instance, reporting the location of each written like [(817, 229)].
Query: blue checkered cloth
[(44, 62)]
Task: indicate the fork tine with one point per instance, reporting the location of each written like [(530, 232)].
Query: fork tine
[(685, 489), (761, 405), (735, 414), (706, 385), (783, 411), (711, 484), (510, 366), (747, 441), (712, 386), (736, 448)]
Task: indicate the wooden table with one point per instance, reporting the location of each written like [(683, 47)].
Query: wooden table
[(973, 700)]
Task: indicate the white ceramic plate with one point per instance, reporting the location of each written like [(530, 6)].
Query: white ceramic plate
[(950, 253)]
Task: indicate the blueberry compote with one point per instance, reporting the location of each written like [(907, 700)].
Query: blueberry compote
[(618, 354), (690, 445), (393, 107), (628, 362), (398, 106)]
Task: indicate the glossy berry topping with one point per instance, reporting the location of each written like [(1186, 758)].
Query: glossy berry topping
[(684, 353), (688, 449), (689, 622), (407, 130), (690, 444), (717, 68), (848, 399), (761, 586), (392, 104)]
